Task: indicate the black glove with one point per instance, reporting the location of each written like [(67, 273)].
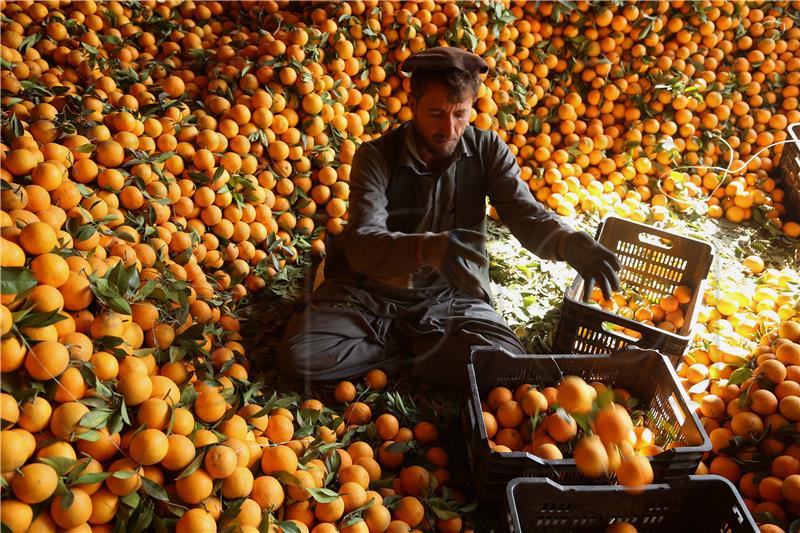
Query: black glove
[(448, 253), (594, 262)]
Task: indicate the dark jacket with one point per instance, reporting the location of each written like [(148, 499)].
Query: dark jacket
[(394, 199)]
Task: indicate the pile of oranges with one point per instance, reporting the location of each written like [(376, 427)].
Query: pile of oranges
[(752, 422), (668, 313), (275, 465), (162, 161), (589, 422)]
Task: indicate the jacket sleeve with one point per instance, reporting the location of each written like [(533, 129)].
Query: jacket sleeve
[(369, 247), (537, 229)]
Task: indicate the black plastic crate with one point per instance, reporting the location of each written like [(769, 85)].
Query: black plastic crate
[(702, 504), (790, 170), (655, 262), (646, 374)]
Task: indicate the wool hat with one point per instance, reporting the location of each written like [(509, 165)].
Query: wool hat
[(444, 58)]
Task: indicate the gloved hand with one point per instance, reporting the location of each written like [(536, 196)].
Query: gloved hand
[(594, 262), (447, 252)]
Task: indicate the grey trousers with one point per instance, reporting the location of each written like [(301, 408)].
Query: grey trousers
[(347, 329)]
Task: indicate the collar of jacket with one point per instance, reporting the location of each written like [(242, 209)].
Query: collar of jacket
[(409, 157)]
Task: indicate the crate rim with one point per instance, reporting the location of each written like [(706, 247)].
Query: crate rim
[(605, 489)]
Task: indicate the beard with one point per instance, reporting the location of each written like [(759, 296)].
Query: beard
[(437, 146)]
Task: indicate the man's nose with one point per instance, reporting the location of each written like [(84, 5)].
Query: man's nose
[(449, 126)]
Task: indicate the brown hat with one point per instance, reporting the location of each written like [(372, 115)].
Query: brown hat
[(443, 58)]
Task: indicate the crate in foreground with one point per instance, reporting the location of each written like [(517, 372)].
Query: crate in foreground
[(646, 374), (654, 263), (789, 168), (707, 504)]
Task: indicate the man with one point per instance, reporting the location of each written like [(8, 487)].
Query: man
[(407, 281)]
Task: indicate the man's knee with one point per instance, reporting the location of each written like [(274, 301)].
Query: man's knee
[(305, 356)]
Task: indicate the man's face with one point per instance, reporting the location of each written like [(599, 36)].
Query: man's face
[(439, 123)]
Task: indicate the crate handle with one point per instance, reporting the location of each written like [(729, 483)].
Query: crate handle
[(653, 240)]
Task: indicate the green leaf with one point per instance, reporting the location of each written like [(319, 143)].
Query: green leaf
[(356, 515), (123, 474), (192, 467), (441, 509), (289, 527), (153, 490), (39, 320), (61, 465), (401, 447), (29, 41), (120, 305), (141, 517), (322, 495), (90, 436), (67, 499), (95, 418), (85, 148), (740, 375), (14, 280), (88, 479), (131, 500), (287, 479)]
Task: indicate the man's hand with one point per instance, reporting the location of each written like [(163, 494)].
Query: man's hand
[(447, 253), (594, 262)]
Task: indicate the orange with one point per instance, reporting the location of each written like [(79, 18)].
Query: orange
[(510, 414), (34, 414), (591, 457), (376, 379), (356, 474), (725, 467), (329, 511), (387, 425), (50, 269), (16, 515), (74, 514), (196, 520), (409, 510), (76, 292), (34, 483), (415, 480), (148, 447), (46, 360), (575, 395), (533, 402), (20, 162), (791, 488), (278, 458), (239, 484), (66, 418), (109, 153), (549, 452), (634, 472), (195, 487), (210, 406), (135, 387), (38, 238), (561, 426), (279, 429), (220, 461), (613, 424), (353, 495), (268, 492), (345, 392)]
